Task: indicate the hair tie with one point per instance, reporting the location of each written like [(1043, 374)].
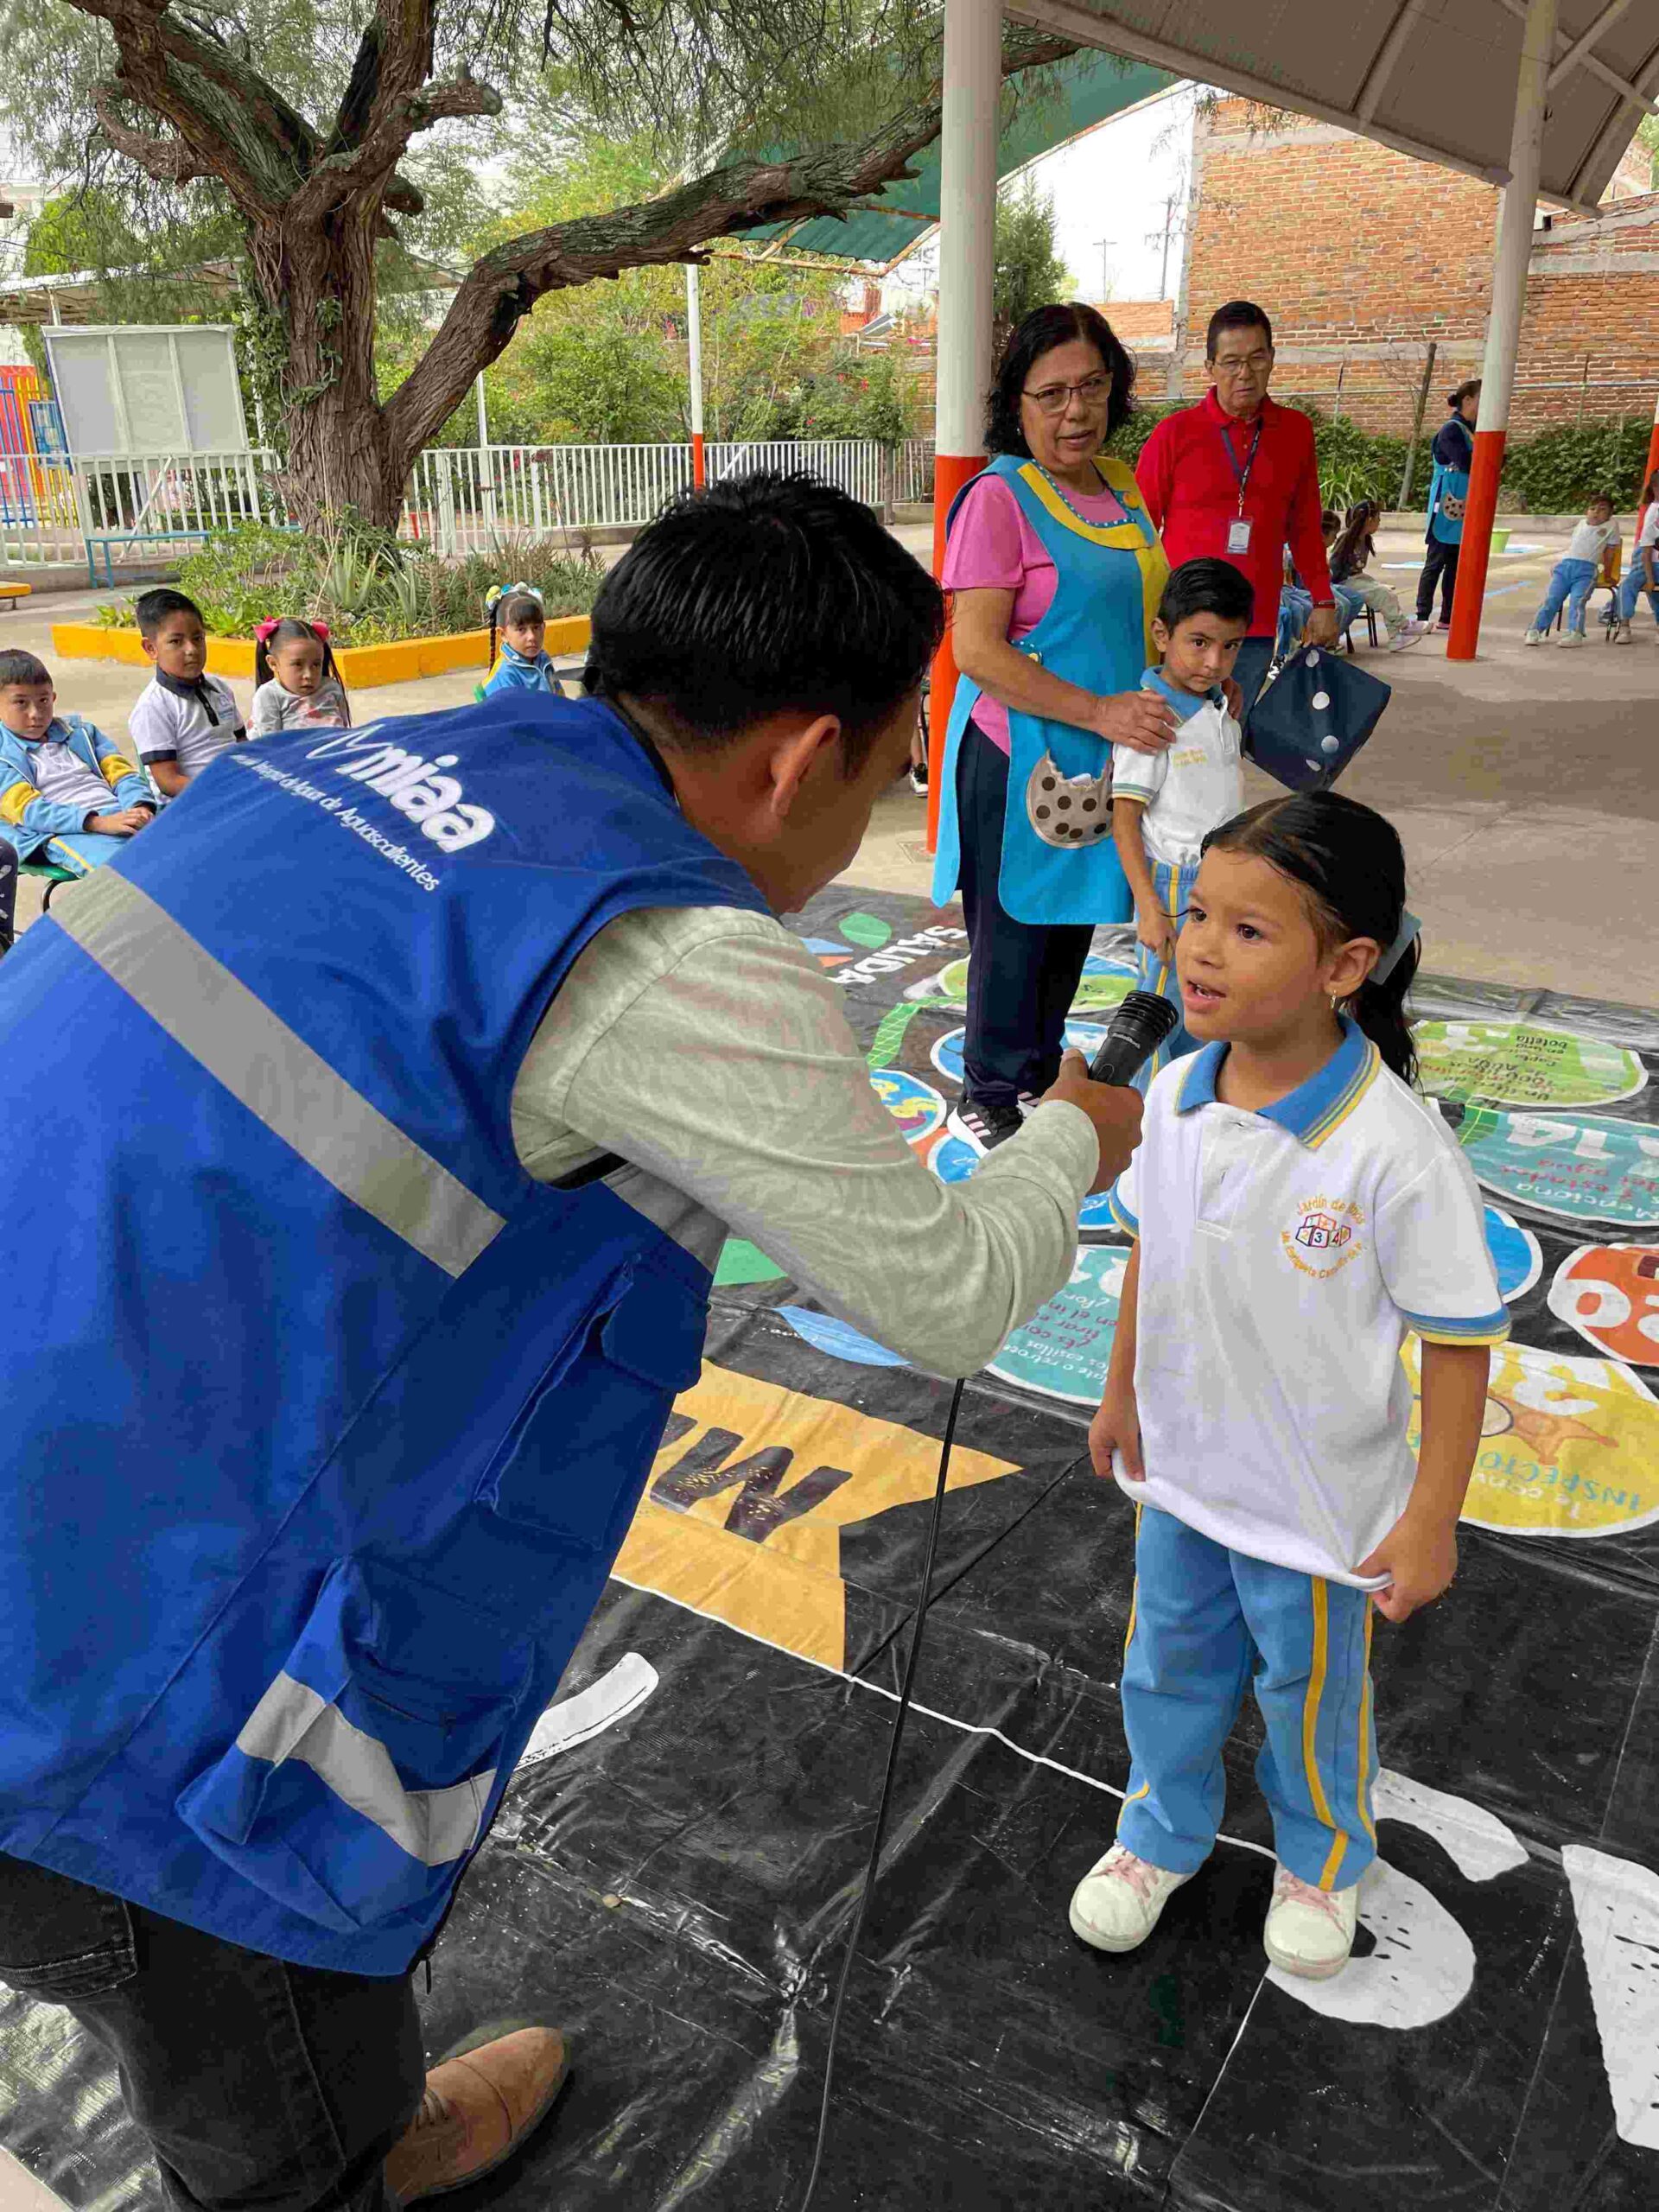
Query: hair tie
[(1410, 928), (263, 630), (530, 592), (493, 598), (319, 630)]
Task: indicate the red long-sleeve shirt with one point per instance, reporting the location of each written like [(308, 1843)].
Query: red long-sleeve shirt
[(1191, 495)]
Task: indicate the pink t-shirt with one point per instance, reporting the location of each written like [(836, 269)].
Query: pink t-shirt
[(993, 547)]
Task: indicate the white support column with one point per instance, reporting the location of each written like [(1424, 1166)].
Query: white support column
[(693, 348), (968, 148), (1515, 224)]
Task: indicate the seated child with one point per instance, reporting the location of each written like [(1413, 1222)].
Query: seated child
[(1572, 578), (1349, 559), (1298, 1209), (183, 718), (1164, 804), (298, 685), (524, 665), (1296, 601), (1644, 563), (67, 797)]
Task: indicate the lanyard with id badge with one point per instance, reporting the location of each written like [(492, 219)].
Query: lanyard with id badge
[(1238, 531)]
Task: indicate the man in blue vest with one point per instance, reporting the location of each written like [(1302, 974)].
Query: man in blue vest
[(403, 1082)]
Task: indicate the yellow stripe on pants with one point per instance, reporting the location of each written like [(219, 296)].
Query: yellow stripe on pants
[(1310, 1732)]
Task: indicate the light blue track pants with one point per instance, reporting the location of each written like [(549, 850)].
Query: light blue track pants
[(1571, 583), (1174, 888), (1204, 1622), (82, 851)]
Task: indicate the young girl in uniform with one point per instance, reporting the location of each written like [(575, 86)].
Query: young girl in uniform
[(297, 686), (523, 665), (1298, 1209)]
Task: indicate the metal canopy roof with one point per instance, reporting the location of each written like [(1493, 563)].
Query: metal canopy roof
[(1086, 90), (1433, 77)]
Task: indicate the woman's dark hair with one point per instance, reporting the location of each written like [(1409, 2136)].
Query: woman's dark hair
[(759, 595), (18, 667), (1361, 525), (290, 631), (1466, 390), (1043, 329), (1348, 862), (1651, 490)]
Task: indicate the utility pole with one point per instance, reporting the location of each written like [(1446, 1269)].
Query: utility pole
[(1169, 232), (1105, 269)]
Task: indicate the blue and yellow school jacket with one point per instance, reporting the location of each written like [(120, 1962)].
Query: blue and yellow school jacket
[(328, 1434), (513, 672), (27, 820)]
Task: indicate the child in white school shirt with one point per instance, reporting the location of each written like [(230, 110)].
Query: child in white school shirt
[(1298, 1209), (1165, 803), (183, 718)]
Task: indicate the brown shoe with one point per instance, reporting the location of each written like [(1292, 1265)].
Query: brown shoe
[(481, 2103)]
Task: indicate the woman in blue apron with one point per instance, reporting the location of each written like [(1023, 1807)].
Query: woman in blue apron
[(1056, 572), (1454, 451)]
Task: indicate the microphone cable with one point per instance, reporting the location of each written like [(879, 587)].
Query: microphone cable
[(885, 1804)]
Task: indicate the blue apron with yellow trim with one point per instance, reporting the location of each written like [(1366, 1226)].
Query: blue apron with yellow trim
[(1448, 493), (324, 1420), (1097, 633)]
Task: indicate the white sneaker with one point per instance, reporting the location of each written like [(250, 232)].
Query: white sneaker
[(1571, 638), (1411, 634), (1532, 637), (1622, 634), (984, 1127), (1117, 1904), (1309, 1931)]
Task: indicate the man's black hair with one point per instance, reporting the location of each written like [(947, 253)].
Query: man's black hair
[(767, 593), (1063, 324), (18, 667), (153, 608), (1206, 588), (1237, 315)]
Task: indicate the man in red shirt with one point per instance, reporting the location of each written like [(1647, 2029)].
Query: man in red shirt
[(1235, 478)]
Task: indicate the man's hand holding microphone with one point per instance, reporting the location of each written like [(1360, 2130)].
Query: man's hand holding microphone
[(1137, 1028)]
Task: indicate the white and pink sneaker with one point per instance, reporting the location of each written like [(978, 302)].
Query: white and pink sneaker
[(1117, 1904), (1309, 1931)]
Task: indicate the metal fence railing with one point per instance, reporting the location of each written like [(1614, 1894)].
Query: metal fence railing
[(912, 477), (459, 499)]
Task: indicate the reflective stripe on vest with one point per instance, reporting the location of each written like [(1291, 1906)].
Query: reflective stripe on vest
[(292, 1722), (272, 1071)]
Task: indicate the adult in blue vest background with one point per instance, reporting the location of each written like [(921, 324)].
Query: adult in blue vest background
[(1453, 454), (1056, 572), (409, 1076)]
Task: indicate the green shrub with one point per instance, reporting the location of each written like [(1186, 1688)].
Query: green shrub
[(1560, 470), (368, 587)]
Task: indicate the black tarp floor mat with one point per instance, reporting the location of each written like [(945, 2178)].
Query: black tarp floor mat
[(675, 1869)]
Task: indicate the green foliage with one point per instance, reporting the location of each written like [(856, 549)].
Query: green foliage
[(1029, 273), (1559, 470), (1127, 439), (857, 396), (365, 584)]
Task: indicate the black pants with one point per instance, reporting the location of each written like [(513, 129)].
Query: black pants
[(7, 892), (1442, 561), (259, 2084), (1022, 977), (1249, 671)]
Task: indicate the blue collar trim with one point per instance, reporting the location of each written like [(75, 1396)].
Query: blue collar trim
[(1315, 1108), (1185, 703)]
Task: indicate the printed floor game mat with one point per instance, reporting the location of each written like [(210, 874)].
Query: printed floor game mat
[(674, 1871)]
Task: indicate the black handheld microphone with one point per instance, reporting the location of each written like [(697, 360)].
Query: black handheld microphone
[(1136, 1030)]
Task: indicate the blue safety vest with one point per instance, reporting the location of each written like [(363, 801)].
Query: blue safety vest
[(1098, 633), (323, 1421)]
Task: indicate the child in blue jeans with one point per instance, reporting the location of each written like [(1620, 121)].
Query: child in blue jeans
[(1573, 576)]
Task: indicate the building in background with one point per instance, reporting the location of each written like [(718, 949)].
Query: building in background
[(1363, 256)]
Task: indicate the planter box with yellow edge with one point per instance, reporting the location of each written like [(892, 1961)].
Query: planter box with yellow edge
[(361, 667)]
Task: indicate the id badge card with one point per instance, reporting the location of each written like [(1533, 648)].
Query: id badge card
[(1238, 534)]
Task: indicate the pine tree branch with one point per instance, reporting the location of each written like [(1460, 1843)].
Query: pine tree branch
[(742, 195)]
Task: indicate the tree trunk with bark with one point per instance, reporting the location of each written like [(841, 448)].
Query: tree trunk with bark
[(316, 204)]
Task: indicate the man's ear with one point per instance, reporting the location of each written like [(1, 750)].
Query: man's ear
[(795, 752)]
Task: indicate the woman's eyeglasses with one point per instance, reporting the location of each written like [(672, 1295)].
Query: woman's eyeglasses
[(1050, 398)]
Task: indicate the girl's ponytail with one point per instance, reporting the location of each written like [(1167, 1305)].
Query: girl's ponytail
[(1348, 860)]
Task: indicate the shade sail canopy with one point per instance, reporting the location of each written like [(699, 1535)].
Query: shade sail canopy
[(1074, 96), (1434, 78)]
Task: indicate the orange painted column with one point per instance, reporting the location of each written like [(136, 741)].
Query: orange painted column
[(1652, 463), (1479, 513), (699, 467)]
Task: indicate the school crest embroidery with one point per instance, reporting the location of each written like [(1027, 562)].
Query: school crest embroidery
[(1325, 1236)]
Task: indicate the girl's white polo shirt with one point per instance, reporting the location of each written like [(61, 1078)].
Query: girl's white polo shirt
[(1284, 1254)]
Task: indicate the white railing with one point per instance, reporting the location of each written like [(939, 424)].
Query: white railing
[(459, 499), (912, 475)]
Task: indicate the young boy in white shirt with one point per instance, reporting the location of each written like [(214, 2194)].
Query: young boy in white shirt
[(1164, 804), (185, 718), (1573, 577)]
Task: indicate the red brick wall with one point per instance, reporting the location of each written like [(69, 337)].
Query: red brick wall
[(1361, 256)]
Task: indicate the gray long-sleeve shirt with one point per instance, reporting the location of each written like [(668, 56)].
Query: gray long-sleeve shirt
[(703, 1046)]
